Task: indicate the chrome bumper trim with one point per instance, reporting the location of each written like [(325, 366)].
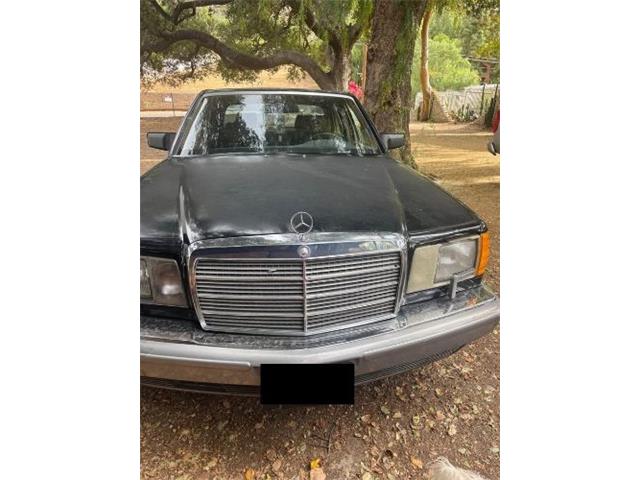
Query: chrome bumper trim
[(420, 331)]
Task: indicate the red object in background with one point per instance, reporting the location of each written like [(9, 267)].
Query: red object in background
[(355, 89), (496, 121)]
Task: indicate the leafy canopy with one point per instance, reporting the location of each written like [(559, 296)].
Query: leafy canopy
[(233, 39), (479, 34), (448, 69)]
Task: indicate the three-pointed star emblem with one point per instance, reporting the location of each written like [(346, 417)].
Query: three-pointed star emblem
[(301, 222)]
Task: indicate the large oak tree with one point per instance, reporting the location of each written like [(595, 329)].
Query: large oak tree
[(238, 38)]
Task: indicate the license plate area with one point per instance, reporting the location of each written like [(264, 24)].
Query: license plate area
[(297, 384)]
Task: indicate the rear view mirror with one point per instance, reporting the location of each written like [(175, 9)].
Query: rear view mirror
[(160, 140), (393, 140)]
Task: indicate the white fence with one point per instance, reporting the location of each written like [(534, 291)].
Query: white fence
[(470, 103)]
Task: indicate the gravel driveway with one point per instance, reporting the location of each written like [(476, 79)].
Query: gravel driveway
[(397, 425)]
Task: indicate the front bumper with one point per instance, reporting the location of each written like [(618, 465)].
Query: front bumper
[(176, 354)]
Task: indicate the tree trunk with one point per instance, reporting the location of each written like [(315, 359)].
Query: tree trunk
[(389, 60), (363, 80), (424, 66), (340, 73)]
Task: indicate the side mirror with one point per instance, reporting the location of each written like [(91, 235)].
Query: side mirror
[(160, 140), (393, 140)]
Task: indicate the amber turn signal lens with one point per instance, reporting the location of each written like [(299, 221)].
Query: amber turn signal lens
[(483, 258)]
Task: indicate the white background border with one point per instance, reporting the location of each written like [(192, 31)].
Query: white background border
[(70, 240), (569, 260)]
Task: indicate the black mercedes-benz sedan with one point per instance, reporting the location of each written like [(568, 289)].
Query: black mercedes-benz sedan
[(278, 230)]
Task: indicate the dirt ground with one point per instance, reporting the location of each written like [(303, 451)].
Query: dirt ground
[(157, 96), (397, 425)]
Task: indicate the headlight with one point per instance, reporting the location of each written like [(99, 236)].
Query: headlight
[(161, 282), (456, 257), (435, 265)]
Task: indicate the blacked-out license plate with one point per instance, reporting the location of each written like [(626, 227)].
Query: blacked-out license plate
[(331, 383)]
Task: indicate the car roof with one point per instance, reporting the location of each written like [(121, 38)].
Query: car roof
[(275, 90)]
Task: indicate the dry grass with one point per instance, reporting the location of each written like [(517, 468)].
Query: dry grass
[(265, 79), (153, 98)]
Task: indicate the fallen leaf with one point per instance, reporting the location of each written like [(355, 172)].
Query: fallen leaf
[(365, 418), (384, 409), (276, 465), (416, 462), (317, 474), (397, 415), (439, 392), (249, 474), (315, 463)]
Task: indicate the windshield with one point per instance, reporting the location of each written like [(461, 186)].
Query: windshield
[(273, 123)]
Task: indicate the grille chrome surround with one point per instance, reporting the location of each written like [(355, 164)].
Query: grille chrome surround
[(261, 285)]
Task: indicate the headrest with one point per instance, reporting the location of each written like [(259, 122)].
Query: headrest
[(304, 122)]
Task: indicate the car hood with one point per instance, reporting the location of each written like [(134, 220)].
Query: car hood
[(187, 200)]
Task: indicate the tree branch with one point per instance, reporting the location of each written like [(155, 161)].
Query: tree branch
[(239, 59), (311, 21), (182, 6), (158, 8)]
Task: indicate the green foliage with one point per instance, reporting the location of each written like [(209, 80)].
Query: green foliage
[(183, 60), (356, 62), (474, 25), (451, 22), (479, 34), (258, 28), (448, 69)]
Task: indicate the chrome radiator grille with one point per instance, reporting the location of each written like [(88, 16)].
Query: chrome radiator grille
[(296, 296)]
